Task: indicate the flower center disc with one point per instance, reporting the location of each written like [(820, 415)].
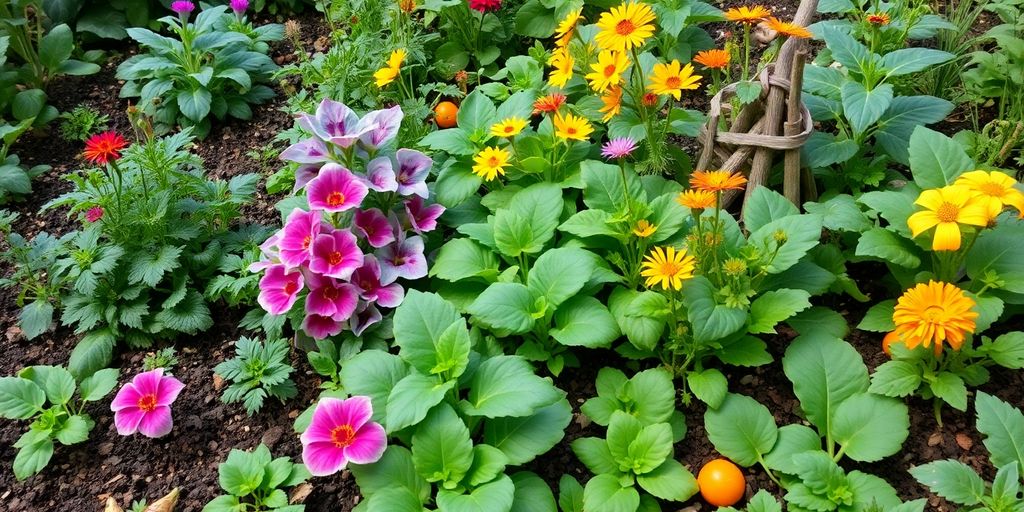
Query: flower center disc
[(947, 212), (609, 70), (934, 314), (334, 258), (492, 161), (306, 241), (330, 293), (342, 436), (290, 287), (147, 403), (992, 189), (673, 82), (335, 198), (624, 28)]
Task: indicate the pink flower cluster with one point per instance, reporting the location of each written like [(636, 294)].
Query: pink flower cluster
[(362, 231)]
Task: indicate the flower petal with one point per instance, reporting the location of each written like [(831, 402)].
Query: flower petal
[(369, 444), (947, 237), (126, 397), (156, 423), (127, 420), (170, 387), (322, 459)]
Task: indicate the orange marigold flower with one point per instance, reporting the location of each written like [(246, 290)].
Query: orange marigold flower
[(788, 29), (696, 199), (932, 314), (878, 18), (104, 147), (612, 100), (549, 104), (713, 59), (747, 15), (717, 181)]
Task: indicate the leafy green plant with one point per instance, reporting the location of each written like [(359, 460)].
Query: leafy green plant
[(995, 74), (45, 394), (165, 358), (213, 68), (20, 110), (82, 122), (762, 501), (1003, 427), (258, 370), (256, 481), (38, 290)]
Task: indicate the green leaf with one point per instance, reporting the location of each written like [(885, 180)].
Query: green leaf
[(711, 321), (764, 206), (508, 386), (802, 233), (648, 449), (570, 494), (748, 91), (895, 379), (652, 395), (824, 371), (560, 273), (879, 317), (709, 386), (91, 354), (793, 439), (56, 46), (669, 481), (507, 306), (28, 104), (242, 473), (906, 113), (535, 20), (513, 234), (532, 494), (441, 448), (496, 496), (394, 469), (840, 213), (412, 398), (911, 60), (603, 188), (463, 258), (56, 382), (886, 246), (951, 389), (150, 268), (595, 454), (396, 499), (20, 398), (1007, 350), (935, 159), (863, 107), (195, 103), (584, 321), (604, 493), (476, 114), (98, 385), (524, 438), (951, 479), (744, 351), (419, 324), (35, 318), (373, 373), (1003, 427), (32, 458), (870, 427), (452, 351), (775, 306), (635, 313), (488, 463), (74, 430), (741, 429), (1006, 485)]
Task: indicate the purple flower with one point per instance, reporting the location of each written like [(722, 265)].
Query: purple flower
[(279, 289), (366, 315), (422, 218), (403, 259), (309, 151), (373, 226), (334, 122), (335, 254), (183, 7), (619, 147), (335, 189), (300, 230), (367, 280), (304, 174), (239, 6), (341, 432), (380, 175), (328, 297), (413, 168), (381, 126), (144, 404)]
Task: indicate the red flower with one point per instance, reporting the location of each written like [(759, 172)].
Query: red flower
[(485, 5), (103, 148), (649, 99), (548, 104), (94, 214)]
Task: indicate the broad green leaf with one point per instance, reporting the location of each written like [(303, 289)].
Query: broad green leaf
[(98, 385), (505, 306), (652, 394), (570, 494), (584, 321), (463, 258), (709, 386), (532, 494), (603, 187), (741, 429), (75, 430), (507, 386), (1003, 427), (476, 115), (669, 481), (32, 458), (419, 324), (870, 427), (560, 273), (951, 479), (764, 206), (395, 468), (840, 213), (871, 491), (496, 496), (524, 438), (35, 318), (906, 113), (1007, 350), (895, 379), (935, 159), (56, 46), (513, 234), (635, 313), (91, 354), (793, 439), (373, 373), (863, 107), (56, 382), (911, 60), (20, 398), (711, 321), (441, 448), (195, 103), (541, 205), (604, 493), (879, 317), (488, 463), (648, 449), (951, 389), (824, 371), (394, 499), (412, 398), (801, 233), (596, 455), (773, 307)]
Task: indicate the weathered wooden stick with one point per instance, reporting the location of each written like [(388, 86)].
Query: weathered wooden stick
[(791, 173)]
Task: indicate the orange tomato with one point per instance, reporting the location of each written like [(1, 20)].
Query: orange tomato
[(445, 114), (721, 483)]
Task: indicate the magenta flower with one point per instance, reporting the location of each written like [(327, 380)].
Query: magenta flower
[(403, 259), (365, 316), (94, 214), (327, 297), (335, 189), (380, 175), (309, 151), (144, 404), (381, 126), (300, 230), (239, 6), (334, 122), (183, 7), (619, 147), (367, 280), (336, 254), (422, 218), (374, 227), (279, 289), (341, 432), (413, 168), (320, 327), (304, 174)]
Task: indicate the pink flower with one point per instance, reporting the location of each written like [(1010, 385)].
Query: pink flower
[(239, 6), (94, 214), (619, 147), (380, 175), (381, 126), (335, 189), (300, 230), (336, 254), (373, 226), (413, 168), (309, 151), (304, 174), (182, 6), (365, 316), (403, 259), (422, 219), (334, 122), (144, 404), (485, 5), (367, 280), (320, 327), (341, 432), (328, 297), (279, 289)]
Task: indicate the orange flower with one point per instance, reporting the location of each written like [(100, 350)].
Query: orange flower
[(612, 100), (549, 104), (878, 18), (696, 199), (649, 99), (747, 15), (717, 181), (930, 314), (788, 29), (713, 59)]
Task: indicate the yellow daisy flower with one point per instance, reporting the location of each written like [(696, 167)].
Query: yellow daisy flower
[(563, 63), (672, 78), (490, 163), (572, 127), (644, 228), (390, 72), (608, 70), (566, 27), (995, 189), (509, 127), (747, 15), (667, 267), (625, 27), (946, 209)]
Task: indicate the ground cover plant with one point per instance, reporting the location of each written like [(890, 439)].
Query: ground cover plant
[(456, 255)]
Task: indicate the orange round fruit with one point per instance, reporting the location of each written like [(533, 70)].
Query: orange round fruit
[(445, 114), (721, 483)]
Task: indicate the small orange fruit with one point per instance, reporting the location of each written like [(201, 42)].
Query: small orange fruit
[(445, 114), (721, 483)]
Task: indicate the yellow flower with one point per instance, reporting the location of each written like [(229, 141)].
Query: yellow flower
[(671, 79), (696, 199), (612, 99), (932, 313), (608, 70), (625, 27), (878, 18), (946, 209), (572, 127), (788, 29), (566, 27), (747, 15), (389, 73), (995, 189), (717, 181), (509, 127), (490, 163), (563, 64), (667, 267), (644, 228)]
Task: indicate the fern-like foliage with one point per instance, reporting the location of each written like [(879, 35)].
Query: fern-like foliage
[(258, 370)]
